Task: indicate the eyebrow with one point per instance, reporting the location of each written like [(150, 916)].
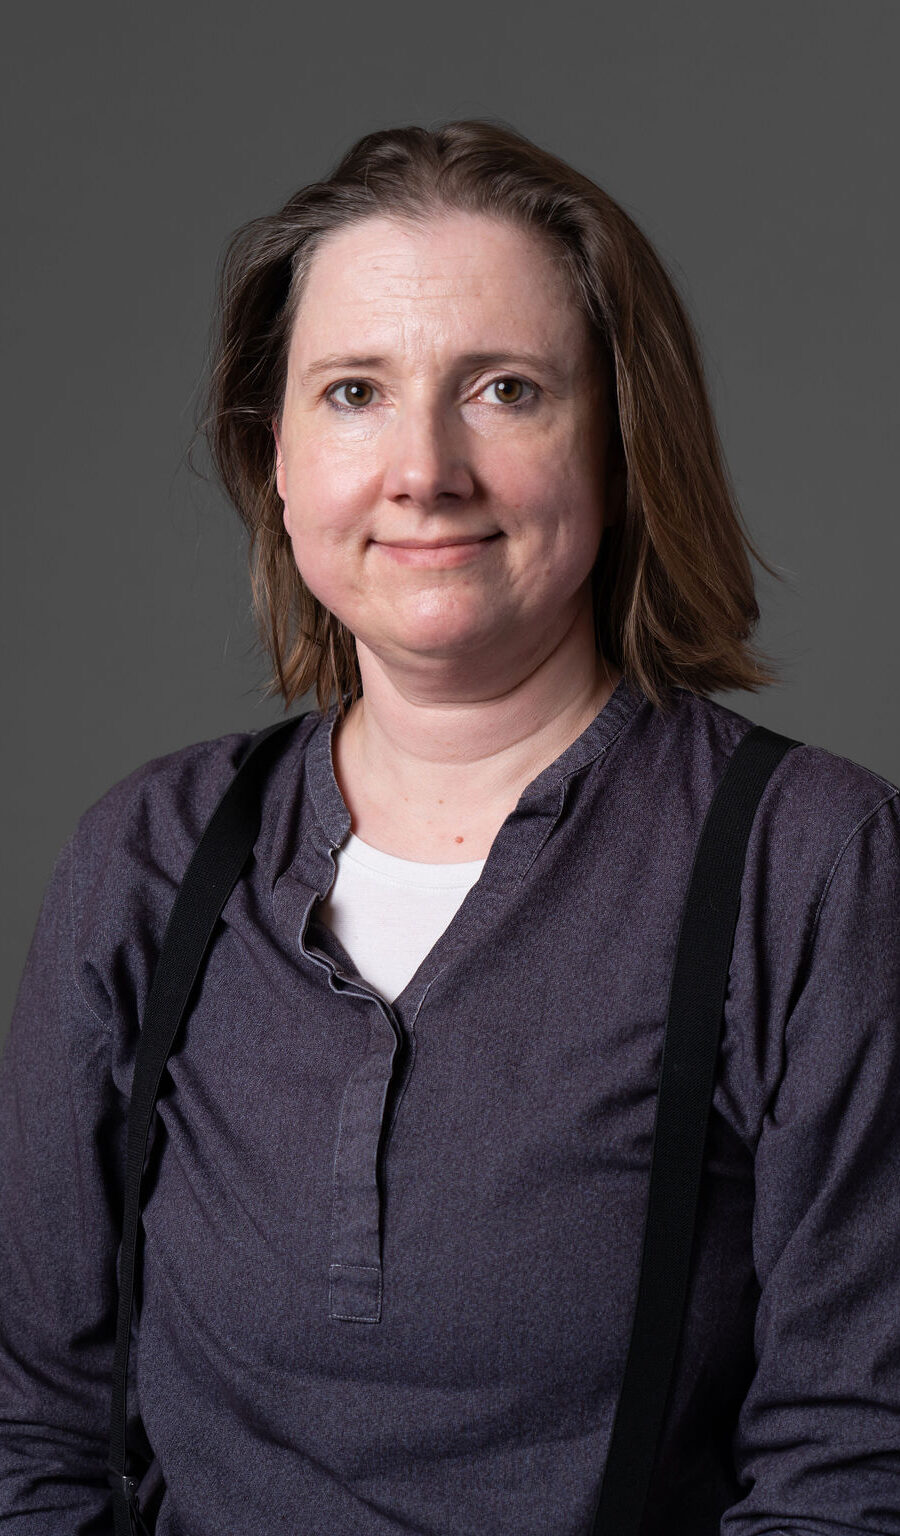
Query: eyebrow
[(466, 361)]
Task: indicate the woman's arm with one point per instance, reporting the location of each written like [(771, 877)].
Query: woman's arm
[(818, 1439), (61, 1149)]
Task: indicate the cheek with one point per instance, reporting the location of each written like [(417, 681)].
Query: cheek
[(324, 519), (324, 495), (563, 512), (322, 564)]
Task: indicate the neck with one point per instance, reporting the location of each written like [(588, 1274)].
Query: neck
[(452, 760)]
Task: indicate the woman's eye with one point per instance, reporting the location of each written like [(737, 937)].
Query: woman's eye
[(352, 385), (503, 385)]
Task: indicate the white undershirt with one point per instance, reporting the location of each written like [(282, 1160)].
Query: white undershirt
[(389, 912)]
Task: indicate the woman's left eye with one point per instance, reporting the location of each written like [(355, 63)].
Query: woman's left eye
[(517, 384)]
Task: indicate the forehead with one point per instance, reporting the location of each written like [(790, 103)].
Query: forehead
[(460, 275)]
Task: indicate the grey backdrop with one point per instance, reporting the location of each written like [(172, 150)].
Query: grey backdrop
[(756, 146)]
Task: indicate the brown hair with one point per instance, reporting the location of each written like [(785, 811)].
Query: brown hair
[(674, 601)]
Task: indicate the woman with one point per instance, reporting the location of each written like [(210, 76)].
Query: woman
[(393, 1230)]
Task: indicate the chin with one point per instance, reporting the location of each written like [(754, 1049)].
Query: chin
[(439, 641)]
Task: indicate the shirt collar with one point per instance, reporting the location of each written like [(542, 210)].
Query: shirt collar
[(312, 818)]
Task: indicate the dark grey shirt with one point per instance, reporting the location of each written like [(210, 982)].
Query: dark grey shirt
[(391, 1249)]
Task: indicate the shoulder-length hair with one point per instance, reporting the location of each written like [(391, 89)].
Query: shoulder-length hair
[(674, 601)]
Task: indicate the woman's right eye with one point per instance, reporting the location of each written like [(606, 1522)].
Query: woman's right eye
[(350, 384)]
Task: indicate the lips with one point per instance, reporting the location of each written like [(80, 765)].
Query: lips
[(445, 554), (482, 538)]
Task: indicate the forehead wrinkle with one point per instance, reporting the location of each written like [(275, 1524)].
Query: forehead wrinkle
[(376, 329), (396, 310), (453, 273), (462, 278), (434, 253), (442, 290)]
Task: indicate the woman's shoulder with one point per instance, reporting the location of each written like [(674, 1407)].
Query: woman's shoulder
[(819, 769), (151, 819), (816, 799), (164, 801)]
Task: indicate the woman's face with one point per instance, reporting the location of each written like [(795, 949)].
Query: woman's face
[(441, 388)]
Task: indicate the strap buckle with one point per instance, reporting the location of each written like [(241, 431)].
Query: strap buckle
[(127, 1486)]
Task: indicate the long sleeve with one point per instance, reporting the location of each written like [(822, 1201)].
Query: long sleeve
[(61, 1137), (818, 1441)]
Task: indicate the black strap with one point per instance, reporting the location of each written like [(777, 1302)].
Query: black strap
[(687, 1080), (216, 864)]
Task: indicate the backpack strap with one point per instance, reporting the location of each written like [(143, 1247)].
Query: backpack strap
[(684, 1097), (213, 872)]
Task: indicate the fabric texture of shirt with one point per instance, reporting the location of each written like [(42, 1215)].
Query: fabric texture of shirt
[(390, 1249)]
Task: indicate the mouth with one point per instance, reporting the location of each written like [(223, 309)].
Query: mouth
[(450, 543), (446, 552)]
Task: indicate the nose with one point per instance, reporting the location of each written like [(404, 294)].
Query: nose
[(425, 456)]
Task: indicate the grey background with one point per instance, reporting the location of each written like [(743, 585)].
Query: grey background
[(755, 145)]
